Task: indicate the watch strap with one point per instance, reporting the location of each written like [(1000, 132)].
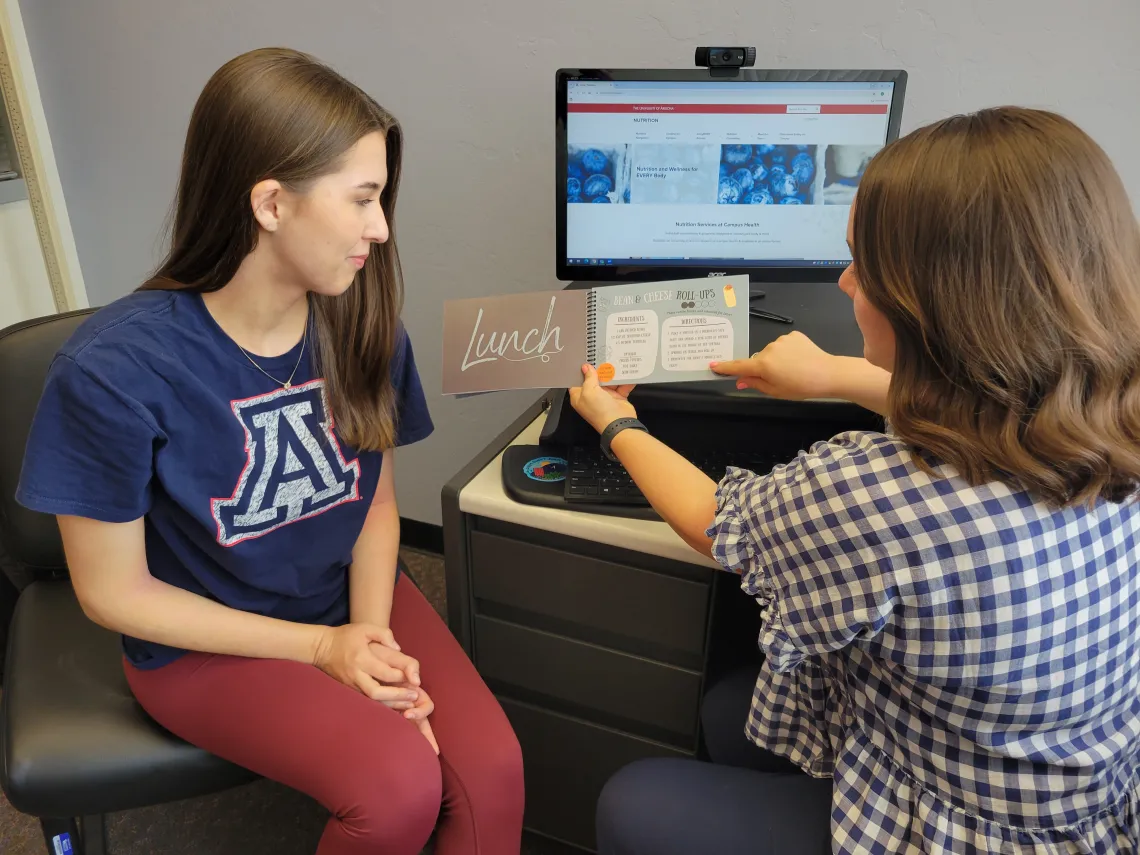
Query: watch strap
[(614, 428)]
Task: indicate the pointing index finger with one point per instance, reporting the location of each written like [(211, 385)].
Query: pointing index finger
[(732, 367)]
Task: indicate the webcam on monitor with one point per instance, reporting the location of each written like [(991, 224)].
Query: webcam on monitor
[(725, 57)]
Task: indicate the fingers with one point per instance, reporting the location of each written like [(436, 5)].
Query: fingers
[(390, 666), (396, 659), (389, 643), (418, 715), (423, 707), (397, 697), (410, 666), (426, 730), (589, 377), (412, 669), (381, 635), (625, 389), (381, 671), (756, 383), (733, 367)]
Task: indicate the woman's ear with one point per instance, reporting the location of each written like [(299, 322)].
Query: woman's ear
[(265, 199)]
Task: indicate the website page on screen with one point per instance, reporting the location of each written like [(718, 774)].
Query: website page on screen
[(683, 173)]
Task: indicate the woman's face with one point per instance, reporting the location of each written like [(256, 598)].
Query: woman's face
[(878, 337), (327, 232)]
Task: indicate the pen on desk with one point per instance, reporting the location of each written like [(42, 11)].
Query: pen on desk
[(770, 316)]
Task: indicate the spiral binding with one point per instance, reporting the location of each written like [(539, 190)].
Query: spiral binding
[(592, 327)]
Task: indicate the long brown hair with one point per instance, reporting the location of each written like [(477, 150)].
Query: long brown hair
[(1004, 252), (277, 113)]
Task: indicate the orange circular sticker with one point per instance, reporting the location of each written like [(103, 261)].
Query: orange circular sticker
[(606, 372)]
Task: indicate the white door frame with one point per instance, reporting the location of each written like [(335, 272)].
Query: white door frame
[(33, 149)]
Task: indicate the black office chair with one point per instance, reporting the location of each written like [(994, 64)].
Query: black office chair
[(76, 744)]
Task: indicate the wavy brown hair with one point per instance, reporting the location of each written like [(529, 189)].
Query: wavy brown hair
[(277, 113), (1004, 252)]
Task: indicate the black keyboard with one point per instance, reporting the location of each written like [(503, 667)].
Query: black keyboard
[(595, 479)]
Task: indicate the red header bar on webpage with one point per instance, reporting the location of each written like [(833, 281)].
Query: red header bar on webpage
[(795, 109)]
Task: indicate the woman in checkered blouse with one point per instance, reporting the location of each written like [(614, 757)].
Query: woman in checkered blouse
[(951, 610)]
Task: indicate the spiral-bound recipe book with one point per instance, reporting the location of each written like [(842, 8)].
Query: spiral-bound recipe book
[(658, 332)]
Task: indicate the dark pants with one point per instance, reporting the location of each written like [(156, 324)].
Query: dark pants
[(746, 802), (373, 770)]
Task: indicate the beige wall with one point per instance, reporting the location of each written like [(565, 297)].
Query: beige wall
[(473, 85)]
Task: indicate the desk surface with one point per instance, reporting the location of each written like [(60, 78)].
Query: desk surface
[(484, 496)]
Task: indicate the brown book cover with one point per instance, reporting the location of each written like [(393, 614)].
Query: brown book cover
[(517, 341), (649, 332)]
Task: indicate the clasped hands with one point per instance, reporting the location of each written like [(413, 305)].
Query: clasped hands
[(368, 658)]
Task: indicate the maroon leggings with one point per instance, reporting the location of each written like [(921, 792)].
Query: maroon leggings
[(367, 764)]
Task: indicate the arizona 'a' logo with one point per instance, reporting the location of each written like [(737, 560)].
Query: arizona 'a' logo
[(294, 468)]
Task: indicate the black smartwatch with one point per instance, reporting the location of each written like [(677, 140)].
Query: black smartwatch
[(613, 429)]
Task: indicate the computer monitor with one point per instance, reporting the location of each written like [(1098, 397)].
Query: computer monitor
[(674, 174)]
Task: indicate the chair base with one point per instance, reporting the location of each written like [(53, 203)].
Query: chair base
[(68, 837)]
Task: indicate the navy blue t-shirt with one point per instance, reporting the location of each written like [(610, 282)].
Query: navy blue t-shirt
[(250, 496)]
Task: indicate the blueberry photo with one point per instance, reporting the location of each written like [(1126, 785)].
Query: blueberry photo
[(803, 167), (729, 192), (594, 160), (737, 155), (598, 184), (743, 177), (759, 197), (768, 174), (598, 174), (786, 186)]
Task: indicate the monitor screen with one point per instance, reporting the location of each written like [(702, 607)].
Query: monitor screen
[(710, 174)]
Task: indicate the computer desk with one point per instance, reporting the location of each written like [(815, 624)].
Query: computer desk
[(599, 634)]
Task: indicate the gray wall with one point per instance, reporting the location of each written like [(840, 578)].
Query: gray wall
[(473, 83)]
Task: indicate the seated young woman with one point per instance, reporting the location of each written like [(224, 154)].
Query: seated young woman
[(219, 448)]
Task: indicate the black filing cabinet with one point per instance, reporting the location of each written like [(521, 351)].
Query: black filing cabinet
[(599, 654)]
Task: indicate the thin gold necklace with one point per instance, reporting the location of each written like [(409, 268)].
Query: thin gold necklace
[(288, 384)]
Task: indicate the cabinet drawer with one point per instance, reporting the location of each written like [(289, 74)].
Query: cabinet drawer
[(627, 691), (618, 601), (567, 763)]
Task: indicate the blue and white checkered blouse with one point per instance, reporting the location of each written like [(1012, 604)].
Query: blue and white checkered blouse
[(964, 661)]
